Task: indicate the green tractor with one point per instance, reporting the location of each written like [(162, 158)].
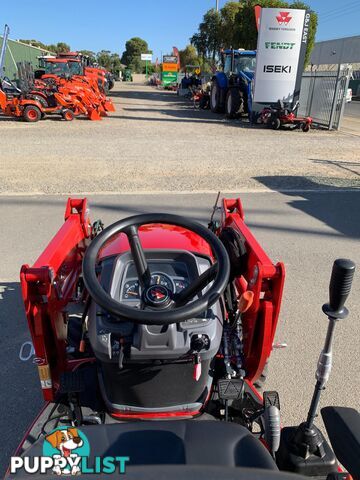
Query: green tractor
[(127, 75)]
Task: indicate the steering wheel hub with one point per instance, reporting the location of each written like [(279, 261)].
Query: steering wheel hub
[(157, 296)]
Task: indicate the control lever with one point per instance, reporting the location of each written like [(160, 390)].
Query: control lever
[(340, 286), (304, 449)]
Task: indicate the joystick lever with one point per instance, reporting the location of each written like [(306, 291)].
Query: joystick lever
[(340, 285), (304, 449)]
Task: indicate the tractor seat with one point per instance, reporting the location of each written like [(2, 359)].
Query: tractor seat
[(186, 442)]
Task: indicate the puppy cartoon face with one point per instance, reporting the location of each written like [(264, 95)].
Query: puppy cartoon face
[(65, 440)]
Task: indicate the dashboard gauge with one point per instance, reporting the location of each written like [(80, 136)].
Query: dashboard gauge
[(180, 285), (158, 278), (131, 290)]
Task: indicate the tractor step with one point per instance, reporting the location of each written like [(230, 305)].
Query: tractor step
[(271, 398), (230, 389)]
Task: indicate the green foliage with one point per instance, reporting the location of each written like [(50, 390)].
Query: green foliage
[(133, 50), (35, 43), (234, 26), (60, 47), (229, 23), (312, 29), (208, 39), (189, 56), (103, 58), (110, 61), (90, 54)]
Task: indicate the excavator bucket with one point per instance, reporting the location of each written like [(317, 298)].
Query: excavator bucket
[(109, 106), (3, 100), (94, 114)]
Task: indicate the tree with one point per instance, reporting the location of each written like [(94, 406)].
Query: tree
[(208, 40), (35, 43), (60, 47), (229, 17), (103, 58), (115, 63), (90, 54), (312, 30), (189, 56), (132, 55)]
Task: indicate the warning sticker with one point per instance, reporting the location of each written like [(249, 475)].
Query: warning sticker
[(45, 377)]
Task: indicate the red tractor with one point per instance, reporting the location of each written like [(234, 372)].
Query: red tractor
[(69, 74), (150, 338), (280, 116)]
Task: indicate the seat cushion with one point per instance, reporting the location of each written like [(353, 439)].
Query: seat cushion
[(189, 442)]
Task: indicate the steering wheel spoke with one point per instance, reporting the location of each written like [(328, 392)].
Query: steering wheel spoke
[(196, 286), (138, 255)]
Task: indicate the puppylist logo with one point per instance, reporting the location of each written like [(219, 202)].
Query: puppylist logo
[(66, 451)]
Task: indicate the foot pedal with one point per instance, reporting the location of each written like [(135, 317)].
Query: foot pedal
[(271, 399), (71, 382), (230, 389)]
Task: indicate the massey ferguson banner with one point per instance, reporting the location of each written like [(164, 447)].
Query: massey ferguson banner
[(280, 54)]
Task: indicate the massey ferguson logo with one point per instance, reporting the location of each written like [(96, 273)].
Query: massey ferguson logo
[(277, 68), (283, 18)]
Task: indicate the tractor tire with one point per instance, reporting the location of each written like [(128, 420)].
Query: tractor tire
[(305, 127), (274, 123), (31, 114), (204, 102), (233, 102), (215, 99), (68, 115)]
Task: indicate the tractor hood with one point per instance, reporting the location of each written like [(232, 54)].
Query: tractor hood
[(162, 237)]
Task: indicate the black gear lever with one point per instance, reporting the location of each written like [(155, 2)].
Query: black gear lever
[(304, 449), (340, 285)]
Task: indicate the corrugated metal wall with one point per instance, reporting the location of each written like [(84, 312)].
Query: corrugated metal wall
[(18, 52), (340, 50)]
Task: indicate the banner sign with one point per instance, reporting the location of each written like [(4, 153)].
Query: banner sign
[(170, 67), (257, 11), (147, 57), (280, 54), (170, 59), (169, 78)]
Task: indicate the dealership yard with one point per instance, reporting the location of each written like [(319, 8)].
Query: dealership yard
[(156, 142), (155, 153)]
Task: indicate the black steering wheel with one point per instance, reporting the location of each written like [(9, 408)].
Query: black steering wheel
[(159, 306)]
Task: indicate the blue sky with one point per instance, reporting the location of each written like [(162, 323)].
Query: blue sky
[(107, 24)]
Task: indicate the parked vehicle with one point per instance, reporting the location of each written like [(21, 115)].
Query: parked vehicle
[(231, 88), (349, 95), (282, 116)]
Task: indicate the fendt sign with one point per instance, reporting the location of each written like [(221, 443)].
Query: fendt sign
[(280, 54)]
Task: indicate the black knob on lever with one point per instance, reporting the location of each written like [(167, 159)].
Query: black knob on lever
[(340, 285)]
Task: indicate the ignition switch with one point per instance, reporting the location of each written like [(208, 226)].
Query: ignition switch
[(199, 342)]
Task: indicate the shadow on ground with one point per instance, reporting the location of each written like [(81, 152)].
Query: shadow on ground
[(335, 206), (21, 397), (350, 167), (183, 110)]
